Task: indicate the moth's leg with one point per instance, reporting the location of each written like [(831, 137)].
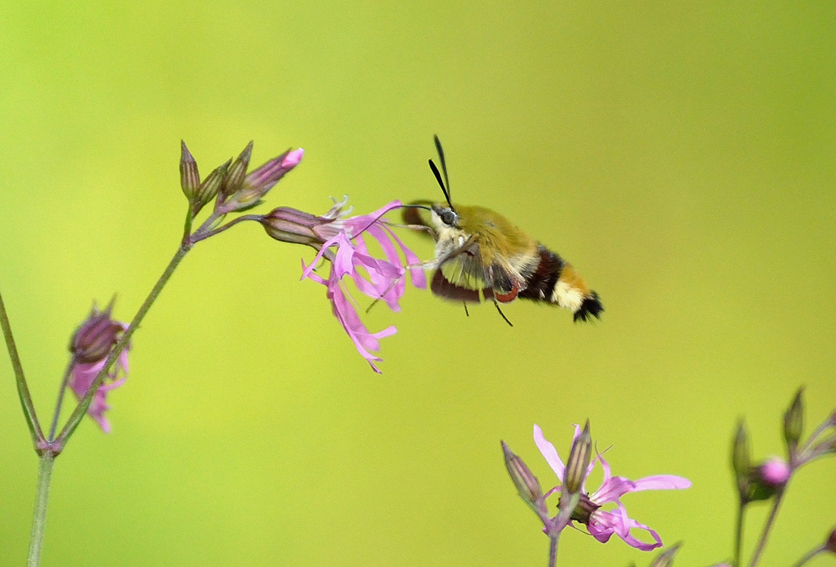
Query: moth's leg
[(437, 262), (495, 302), (417, 227)]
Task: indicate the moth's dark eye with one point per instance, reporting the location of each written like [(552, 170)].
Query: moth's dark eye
[(448, 217)]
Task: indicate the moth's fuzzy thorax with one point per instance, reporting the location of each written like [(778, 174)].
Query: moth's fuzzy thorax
[(497, 237)]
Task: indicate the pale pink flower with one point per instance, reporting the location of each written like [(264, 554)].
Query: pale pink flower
[(91, 345), (340, 239), (602, 524)]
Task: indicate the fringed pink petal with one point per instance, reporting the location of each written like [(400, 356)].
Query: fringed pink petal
[(612, 489), (356, 225), (603, 524), (416, 272), (549, 452), (661, 482)]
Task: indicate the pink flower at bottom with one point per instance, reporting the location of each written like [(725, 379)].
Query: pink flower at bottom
[(602, 524)]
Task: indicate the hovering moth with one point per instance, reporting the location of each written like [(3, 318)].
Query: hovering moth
[(480, 255)]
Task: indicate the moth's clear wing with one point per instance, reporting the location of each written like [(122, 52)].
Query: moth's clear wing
[(463, 277), (464, 268)]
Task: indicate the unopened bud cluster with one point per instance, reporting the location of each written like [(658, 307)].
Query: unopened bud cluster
[(233, 189)]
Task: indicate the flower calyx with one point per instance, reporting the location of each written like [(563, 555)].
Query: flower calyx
[(95, 337)]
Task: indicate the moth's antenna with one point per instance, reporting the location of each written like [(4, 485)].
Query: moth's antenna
[(440, 151), (441, 183), (444, 188)]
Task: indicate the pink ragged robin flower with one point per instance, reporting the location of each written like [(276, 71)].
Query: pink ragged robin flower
[(602, 524), (340, 239), (91, 345)]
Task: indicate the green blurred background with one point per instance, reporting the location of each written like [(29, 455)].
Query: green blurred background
[(681, 155)]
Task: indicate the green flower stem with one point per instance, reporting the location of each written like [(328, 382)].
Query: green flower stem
[(63, 389), (809, 555), (768, 527), (201, 231), (47, 459), (202, 234), (81, 409), (22, 388), (553, 550), (187, 229), (738, 538)]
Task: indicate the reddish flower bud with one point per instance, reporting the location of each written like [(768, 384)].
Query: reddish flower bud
[(291, 225)]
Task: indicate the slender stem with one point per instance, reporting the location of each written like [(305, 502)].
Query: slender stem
[(198, 235), (553, 550), (809, 555), (824, 447), (768, 527), (738, 539), (80, 410), (63, 389), (22, 388), (187, 229), (202, 229), (47, 459)]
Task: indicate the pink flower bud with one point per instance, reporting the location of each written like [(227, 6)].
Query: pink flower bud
[(244, 192), (293, 158), (775, 472)]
